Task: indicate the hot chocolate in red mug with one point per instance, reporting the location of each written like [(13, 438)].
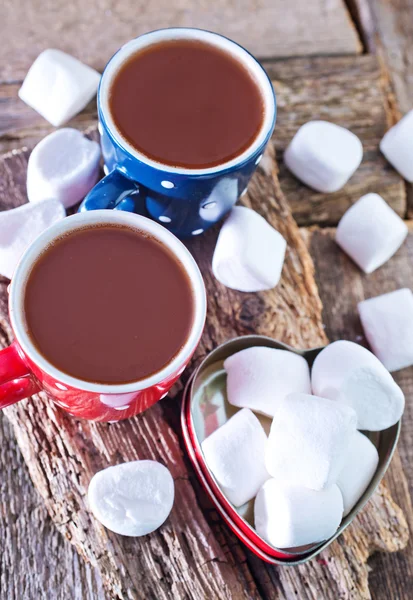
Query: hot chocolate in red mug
[(107, 309)]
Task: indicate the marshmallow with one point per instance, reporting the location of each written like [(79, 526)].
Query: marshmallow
[(323, 155), (361, 464), (64, 165), (388, 325), (257, 378), (58, 86), (370, 232), (133, 498), (397, 146), (235, 455), (288, 515), (249, 254), (352, 375), (20, 226), (308, 441)]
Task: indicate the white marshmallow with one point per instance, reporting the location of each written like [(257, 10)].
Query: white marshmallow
[(397, 146), (308, 441), (352, 375), (361, 464), (249, 254), (388, 325), (58, 86), (288, 515), (257, 378), (132, 498), (370, 232), (323, 155), (20, 226), (235, 455), (64, 165)]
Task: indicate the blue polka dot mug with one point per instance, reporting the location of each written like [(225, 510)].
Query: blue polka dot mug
[(186, 201)]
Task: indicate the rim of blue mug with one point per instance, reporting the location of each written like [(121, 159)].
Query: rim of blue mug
[(102, 217), (216, 39)]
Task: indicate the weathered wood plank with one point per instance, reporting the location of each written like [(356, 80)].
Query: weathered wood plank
[(194, 555), (388, 31), (342, 285), (349, 91), (346, 90), (35, 559), (20, 125), (94, 30)]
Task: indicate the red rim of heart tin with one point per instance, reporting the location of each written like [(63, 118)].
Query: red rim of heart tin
[(385, 442), (241, 529)]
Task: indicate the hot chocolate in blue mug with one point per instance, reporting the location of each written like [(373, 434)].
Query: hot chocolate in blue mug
[(184, 118)]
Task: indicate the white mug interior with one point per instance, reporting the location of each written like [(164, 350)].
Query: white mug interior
[(101, 217), (161, 35)]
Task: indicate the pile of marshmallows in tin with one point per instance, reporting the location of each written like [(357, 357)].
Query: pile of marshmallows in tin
[(315, 464)]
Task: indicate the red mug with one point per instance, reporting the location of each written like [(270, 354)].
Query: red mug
[(24, 371)]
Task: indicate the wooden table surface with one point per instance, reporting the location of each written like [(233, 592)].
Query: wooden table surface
[(350, 63)]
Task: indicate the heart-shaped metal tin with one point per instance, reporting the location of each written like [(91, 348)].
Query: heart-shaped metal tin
[(205, 408)]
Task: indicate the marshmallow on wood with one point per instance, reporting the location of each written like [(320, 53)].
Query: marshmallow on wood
[(370, 232), (235, 455), (397, 146), (323, 155), (288, 515), (132, 498), (350, 374), (249, 254), (58, 86), (388, 325), (19, 227), (258, 377), (64, 165), (309, 440), (357, 473)]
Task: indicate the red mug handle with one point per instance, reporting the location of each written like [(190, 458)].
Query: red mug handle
[(16, 381)]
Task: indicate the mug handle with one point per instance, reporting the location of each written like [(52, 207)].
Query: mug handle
[(16, 381), (113, 191)]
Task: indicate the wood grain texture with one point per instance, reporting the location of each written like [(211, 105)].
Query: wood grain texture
[(388, 31), (342, 285), (22, 126), (35, 561), (348, 91), (194, 555), (94, 30)]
